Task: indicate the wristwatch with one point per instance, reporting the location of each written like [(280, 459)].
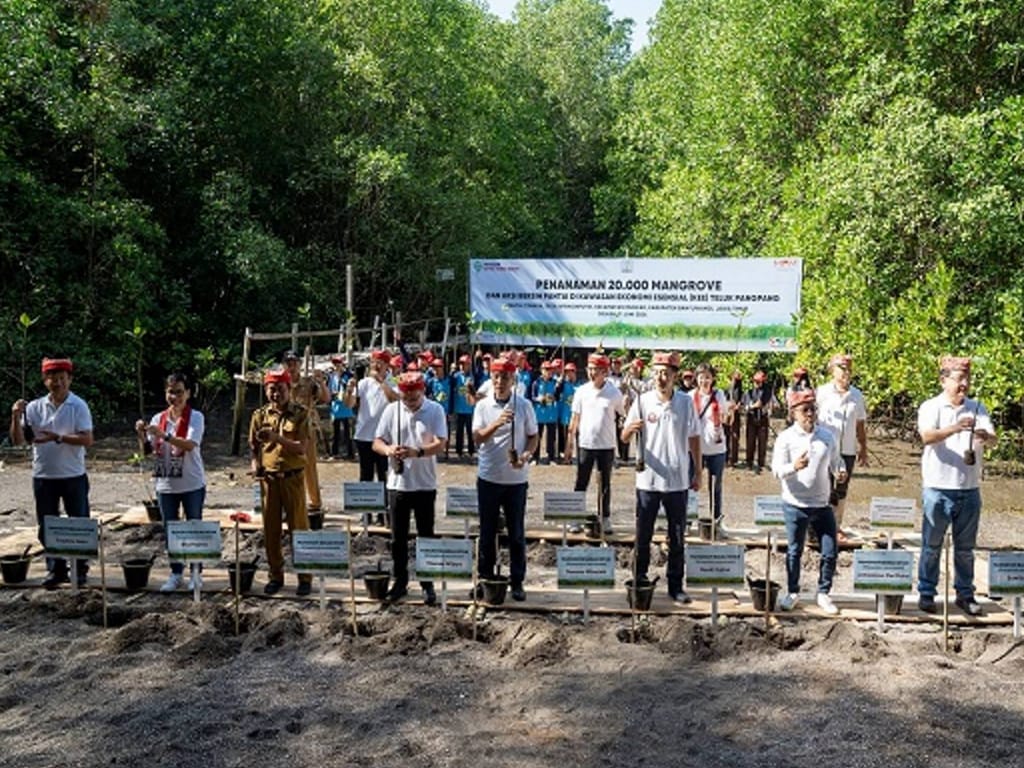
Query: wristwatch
[(168, 436), (58, 439)]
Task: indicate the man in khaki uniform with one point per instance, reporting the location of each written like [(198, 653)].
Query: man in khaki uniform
[(309, 392), (278, 439)]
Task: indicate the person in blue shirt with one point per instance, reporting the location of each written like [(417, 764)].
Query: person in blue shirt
[(439, 389), (564, 389), (463, 399), (545, 406), (341, 414)]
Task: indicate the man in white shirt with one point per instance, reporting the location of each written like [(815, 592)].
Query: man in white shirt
[(670, 434), (595, 407), (505, 433), (841, 408), (410, 434), (59, 427), (368, 397), (955, 429), (804, 458)]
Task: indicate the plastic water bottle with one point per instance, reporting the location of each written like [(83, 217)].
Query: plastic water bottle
[(257, 499)]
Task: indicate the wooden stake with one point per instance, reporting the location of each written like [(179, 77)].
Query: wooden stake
[(352, 581), (238, 579), (103, 576), (945, 603)]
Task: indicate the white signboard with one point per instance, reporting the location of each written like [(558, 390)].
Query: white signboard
[(883, 570), (71, 536), (320, 551), (768, 511), (366, 496), (586, 567), (711, 304), (715, 565), (460, 502), (893, 513), (1006, 573), (444, 557), (565, 505), (193, 540)]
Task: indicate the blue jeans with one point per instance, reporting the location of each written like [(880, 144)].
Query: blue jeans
[(49, 493), (715, 465), (962, 508), (492, 498), (823, 521), (191, 502), (647, 505)]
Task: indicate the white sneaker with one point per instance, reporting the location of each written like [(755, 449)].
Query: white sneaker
[(173, 582), (606, 524), (788, 603), (195, 581), (826, 604)]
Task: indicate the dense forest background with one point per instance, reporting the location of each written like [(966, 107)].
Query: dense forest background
[(172, 171)]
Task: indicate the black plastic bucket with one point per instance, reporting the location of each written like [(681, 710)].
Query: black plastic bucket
[(893, 603), (592, 526), (136, 574), (757, 593), (247, 572), (495, 589), (377, 583), (640, 596), (316, 520), (15, 568), (705, 526), (153, 512)]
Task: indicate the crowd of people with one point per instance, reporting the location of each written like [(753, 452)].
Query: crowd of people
[(395, 412)]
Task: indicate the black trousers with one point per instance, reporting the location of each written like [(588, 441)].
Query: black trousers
[(402, 503)]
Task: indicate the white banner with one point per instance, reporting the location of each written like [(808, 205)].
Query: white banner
[(193, 540), (1006, 573), (71, 536), (700, 304), (585, 567), (886, 570), (715, 565), (444, 557), (363, 496)]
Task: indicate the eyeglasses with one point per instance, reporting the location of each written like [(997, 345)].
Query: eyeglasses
[(809, 409)]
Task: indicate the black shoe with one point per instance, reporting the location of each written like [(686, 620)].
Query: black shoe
[(304, 588), (968, 606), (54, 580), (518, 593), (429, 595), (396, 594), (926, 603), (273, 587)]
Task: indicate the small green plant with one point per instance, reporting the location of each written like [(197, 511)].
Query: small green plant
[(137, 333), (25, 322)]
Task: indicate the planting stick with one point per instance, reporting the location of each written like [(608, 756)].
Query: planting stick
[(945, 603), (238, 578), (351, 581), (565, 534), (768, 586), (1016, 617), (633, 600), (714, 607), (194, 570), (476, 582), (880, 606), (323, 593), (103, 576), (586, 605)]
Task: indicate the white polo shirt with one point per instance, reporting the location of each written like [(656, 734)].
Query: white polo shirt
[(668, 427), (180, 473), (597, 409), (416, 430), (812, 485), (712, 436), (54, 461), (942, 463), (840, 412), (372, 402), (492, 456)]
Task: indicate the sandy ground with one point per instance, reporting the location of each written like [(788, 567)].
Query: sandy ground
[(170, 682)]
